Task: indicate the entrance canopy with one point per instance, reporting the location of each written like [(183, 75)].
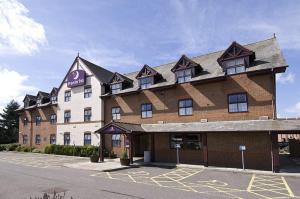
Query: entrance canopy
[(278, 126)]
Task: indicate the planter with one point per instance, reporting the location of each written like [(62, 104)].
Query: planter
[(94, 158), (125, 162)]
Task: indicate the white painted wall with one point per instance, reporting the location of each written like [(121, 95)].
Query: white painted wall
[(76, 106)]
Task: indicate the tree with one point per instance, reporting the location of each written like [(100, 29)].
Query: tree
[(9, 123)]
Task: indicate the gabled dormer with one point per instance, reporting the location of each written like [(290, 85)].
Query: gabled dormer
[(185, 69), (53, 95), (42, 98), (147, 77), (29, 100), (236, 59), (119, 82)]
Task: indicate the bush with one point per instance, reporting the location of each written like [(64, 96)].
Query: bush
[(23, 148), (83, 151), (12, 147), (36, 151), (2, 147)]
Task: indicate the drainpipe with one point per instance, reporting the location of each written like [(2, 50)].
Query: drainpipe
[(274, 95), (31, 130), (272, 158)]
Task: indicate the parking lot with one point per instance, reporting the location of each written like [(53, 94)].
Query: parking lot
[(140, 182)]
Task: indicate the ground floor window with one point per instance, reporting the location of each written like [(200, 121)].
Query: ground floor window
[(37, 139), (67, 138), (87, 139), (52, 139), (116, 140), (186, 141), (25, 139)]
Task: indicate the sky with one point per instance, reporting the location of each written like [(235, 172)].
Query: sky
[(39, 39)]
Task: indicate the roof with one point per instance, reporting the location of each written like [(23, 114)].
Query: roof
[(30, 97), (54, 91), (43, 94), (268, 56), (217, 126), (101, 74), (124, 127)]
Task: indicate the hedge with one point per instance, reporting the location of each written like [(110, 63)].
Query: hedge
[(83, 151), (9, 147)]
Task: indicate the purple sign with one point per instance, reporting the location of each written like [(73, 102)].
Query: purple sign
[(76, 78)]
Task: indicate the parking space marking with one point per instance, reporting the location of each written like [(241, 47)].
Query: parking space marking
[(270, 187)]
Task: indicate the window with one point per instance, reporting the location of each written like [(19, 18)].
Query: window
[(116, 88), (67, 139), (176, 139), (237, 103), (184, 75), (67, 116), (37, 139), (25, 121), (38, 102), (186, 141), (235, 66), (146, 110), (146, 82), (87, 139), (52, 118), (25, 139), (54, 99), (67, 96), (87, 114), (115, 111), (87, 91), (52, 139), (38, 120), (185, 107), (116, 140)]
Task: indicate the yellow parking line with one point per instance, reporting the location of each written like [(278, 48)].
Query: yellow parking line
[(287, 187), (251, 182)]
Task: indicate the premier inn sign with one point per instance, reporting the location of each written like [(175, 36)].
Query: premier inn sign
[(76, 78)]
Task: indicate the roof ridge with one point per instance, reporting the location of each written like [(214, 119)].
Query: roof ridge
[(95, 64)]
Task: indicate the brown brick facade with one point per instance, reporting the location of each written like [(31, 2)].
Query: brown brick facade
[(44, 129)]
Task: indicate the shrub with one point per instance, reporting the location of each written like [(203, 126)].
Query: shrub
[(36, 151), (23, 148), (83, 151), (12, 147)]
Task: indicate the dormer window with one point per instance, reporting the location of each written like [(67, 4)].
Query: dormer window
[(234, 66), (38, 102), (185, 69), (145, 82), (116, 88), (236, 59), (54, 99), (183, 76)]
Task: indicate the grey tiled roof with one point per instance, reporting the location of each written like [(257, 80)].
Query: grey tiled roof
[(218, 126), (268, 55)]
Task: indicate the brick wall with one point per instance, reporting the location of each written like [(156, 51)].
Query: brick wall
[(45, 129), (209, 101), (223, 150)]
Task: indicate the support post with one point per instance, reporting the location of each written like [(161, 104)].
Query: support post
[(274, 153), (101, 148), (152, 148), (131, 149), (205, 150)]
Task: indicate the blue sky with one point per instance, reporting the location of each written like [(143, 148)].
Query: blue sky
[(40, 39)]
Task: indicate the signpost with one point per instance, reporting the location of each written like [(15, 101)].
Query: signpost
[(177, 146), (242, 149)]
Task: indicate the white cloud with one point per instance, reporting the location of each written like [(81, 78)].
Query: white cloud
[(13, 86), (18, 32), (110, 58), (295, 110), (285, 78)]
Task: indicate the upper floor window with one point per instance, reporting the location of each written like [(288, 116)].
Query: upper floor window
[(38, 102), (87, 91), (87, 114), (87, 139), (25, 139), (53, 118), (184, 75), (116, 88), (67, 139), (67, 96), (116, 140), (146, 110), (54, 99), (38, 120), (37, 139), (67, 116), (52, 139), (25, 121), (185, 107), (146, 82), (237, 103), (116, 113), (234, 66)]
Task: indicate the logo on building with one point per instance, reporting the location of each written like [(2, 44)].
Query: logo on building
[(76, 78)]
